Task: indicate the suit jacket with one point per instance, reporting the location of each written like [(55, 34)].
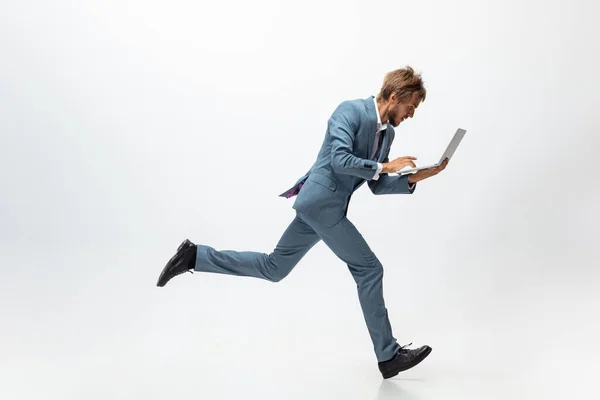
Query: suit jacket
[(343, 164)]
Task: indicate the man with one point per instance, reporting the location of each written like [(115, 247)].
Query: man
[(355, 150)]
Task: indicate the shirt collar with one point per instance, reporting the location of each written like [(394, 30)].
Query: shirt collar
[(380, 126)]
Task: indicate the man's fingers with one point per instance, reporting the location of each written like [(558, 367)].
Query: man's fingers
[(407, 158)]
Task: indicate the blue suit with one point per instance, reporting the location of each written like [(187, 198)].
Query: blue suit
[(345, 161)]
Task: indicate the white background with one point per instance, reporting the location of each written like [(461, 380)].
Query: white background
[(127, 126)]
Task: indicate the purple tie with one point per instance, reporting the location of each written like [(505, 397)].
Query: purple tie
[(378, 142), (295, 191)]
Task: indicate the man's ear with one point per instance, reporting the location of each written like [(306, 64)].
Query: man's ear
[(392, 98)]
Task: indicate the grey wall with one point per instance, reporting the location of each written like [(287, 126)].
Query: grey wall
[(127, 126)]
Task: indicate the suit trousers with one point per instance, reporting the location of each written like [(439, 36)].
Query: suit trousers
[(300, 236)]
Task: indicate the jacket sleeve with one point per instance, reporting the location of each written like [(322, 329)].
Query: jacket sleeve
[(386, 184), (343, 126)]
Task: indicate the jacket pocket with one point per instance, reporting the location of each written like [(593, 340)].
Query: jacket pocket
[(323, 180)]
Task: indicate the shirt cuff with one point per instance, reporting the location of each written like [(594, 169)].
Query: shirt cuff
[(379, 169)]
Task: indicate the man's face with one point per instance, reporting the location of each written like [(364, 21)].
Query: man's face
[(402, 109)]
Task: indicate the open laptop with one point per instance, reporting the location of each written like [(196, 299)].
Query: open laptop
[(460, 133)]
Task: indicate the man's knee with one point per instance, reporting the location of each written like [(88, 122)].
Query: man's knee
[(278, 275), (374, 272), (277, 269), (367, 274)]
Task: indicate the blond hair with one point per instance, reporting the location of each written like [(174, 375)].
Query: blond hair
[(404, 82)]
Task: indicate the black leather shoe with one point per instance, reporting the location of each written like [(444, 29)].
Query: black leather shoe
[(183, 261), (403, 360)]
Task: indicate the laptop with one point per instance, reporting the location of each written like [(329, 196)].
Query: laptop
[(452, 146)]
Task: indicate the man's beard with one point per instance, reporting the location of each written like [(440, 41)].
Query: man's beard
[(394, 120)]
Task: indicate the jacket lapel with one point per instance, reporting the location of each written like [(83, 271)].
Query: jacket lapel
[(371, 125)]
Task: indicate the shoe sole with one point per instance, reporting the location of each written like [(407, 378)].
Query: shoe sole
[(167, 267), (416, 361)]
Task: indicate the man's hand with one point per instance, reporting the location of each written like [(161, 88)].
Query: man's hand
[(427, 173), (398, 164)]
